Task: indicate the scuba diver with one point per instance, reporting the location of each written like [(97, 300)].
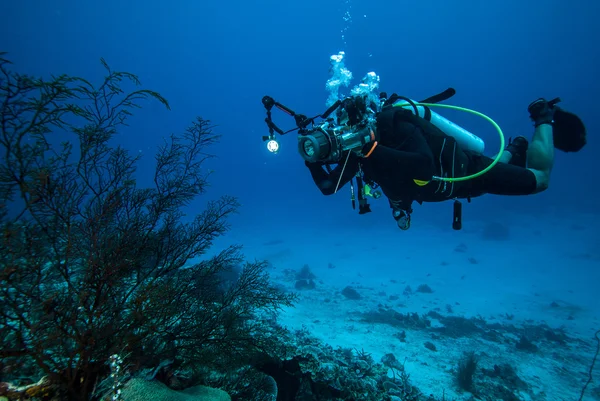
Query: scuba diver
[(401, 151)]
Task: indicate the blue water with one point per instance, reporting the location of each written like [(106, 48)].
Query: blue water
[(217, 60)]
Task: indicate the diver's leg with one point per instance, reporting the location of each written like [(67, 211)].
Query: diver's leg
[(540, 156), (502, 179)]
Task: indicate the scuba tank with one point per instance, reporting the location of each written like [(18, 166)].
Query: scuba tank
[(465, 139)]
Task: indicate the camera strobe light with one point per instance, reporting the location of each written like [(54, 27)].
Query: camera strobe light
[(273, 146)]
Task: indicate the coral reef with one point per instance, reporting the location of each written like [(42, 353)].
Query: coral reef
[(318, 371), (93, 265)]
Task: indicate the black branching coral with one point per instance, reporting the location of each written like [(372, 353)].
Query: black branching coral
[(467, 366), (91, 264)]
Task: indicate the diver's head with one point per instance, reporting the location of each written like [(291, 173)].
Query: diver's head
[(355, 110)]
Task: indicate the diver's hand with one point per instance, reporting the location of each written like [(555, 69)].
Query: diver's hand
[(541, 112)]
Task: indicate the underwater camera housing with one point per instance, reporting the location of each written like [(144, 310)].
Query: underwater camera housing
[(323, 142), (326, 142)]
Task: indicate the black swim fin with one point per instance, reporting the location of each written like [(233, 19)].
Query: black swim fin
[(569, 131)]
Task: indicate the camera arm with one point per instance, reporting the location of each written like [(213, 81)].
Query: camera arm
[(301, 120)]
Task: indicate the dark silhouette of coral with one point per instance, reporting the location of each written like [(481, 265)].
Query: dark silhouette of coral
[(525, 344), (91, 264), (591, 369), (351, 293), (305, 279), (425, 289), (466, 370)]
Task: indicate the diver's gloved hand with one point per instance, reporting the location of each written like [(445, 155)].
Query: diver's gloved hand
[(541, 111)]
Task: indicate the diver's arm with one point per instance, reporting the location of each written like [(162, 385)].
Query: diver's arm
[(327, 182)]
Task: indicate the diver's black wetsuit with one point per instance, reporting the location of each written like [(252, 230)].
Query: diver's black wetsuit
[(410, 148)]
